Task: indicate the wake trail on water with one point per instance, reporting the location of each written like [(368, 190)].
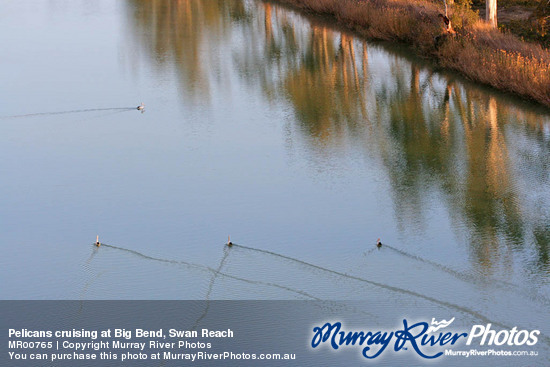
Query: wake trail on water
[(213, 271), (67, 112), (388, 287), (215, 274), (210, 288), (468, 278)]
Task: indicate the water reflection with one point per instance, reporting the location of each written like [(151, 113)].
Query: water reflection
[(184, 34), (487, 158)]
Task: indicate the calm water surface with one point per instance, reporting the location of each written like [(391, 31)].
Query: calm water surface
[(293, 137)]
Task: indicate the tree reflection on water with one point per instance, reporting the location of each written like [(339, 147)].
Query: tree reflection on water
[(487, 156)]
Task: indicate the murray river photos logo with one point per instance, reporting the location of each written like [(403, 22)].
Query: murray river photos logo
[(427, 340)]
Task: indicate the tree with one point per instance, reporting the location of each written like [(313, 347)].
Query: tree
[(491, 12)]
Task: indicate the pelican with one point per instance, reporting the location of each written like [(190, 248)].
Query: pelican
[(97, 243)]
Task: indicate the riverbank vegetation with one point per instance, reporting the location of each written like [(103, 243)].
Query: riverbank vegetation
[(470, 46), (528, 19)]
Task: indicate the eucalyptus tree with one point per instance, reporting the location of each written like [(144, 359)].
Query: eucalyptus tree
[(491, 12)]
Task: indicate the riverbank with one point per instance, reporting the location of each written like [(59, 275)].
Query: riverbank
[(480, 53), (527, 19)]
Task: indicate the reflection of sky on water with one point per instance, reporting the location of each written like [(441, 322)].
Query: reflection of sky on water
[(438, 141)]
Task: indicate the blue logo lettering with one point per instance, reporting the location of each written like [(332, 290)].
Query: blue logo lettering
[(415, 336)]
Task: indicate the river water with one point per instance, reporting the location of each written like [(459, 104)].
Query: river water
[(303, 142)]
